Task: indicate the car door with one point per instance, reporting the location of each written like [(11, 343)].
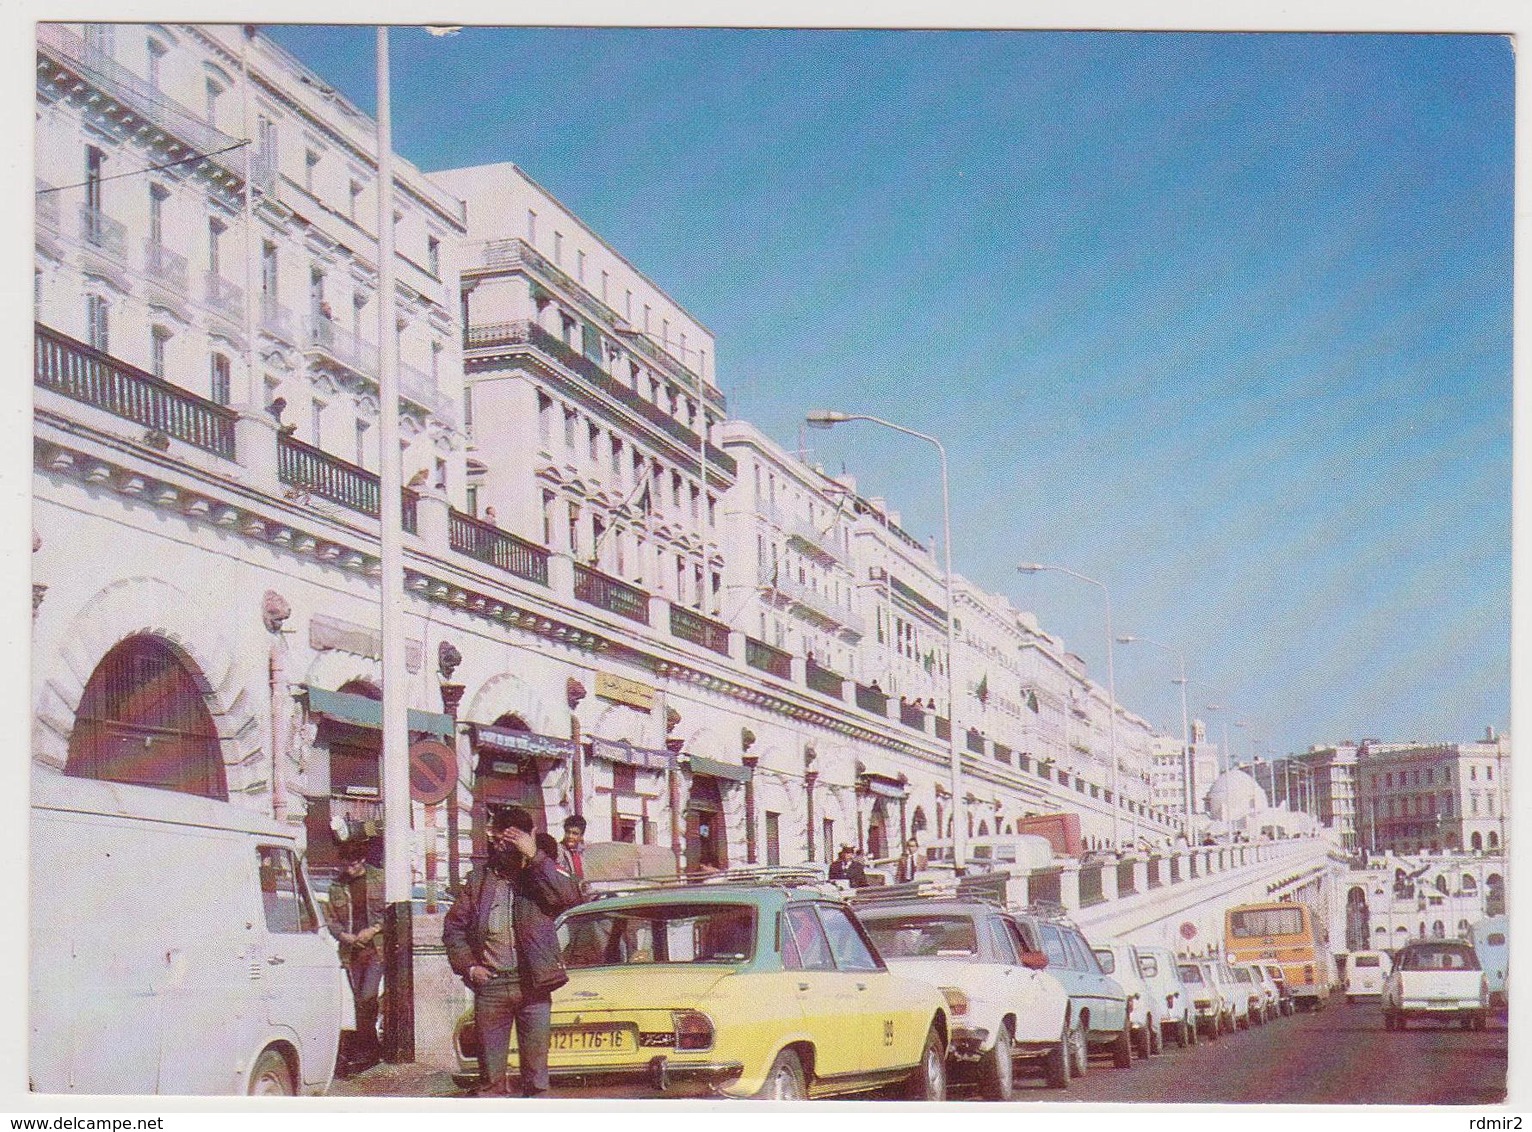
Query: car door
[(878, 1015), (1109, 1011), (302, 991), (1023, 988), (826, 997)]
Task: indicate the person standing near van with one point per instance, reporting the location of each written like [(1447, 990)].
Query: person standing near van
[(909, 862), (500, 941), (354, 913)]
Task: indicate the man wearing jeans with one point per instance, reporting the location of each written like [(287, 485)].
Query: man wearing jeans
[(500, 940)]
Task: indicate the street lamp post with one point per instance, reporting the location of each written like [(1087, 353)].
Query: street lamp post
[(828, 418), (1186, 740), (1111, 691)]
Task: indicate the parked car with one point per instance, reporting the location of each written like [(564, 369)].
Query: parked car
[(1365, 973), (1098, 1017), (1213, 1004), (190, 958), (737, 990), (1271, 997), (1178, 1019), (1120, 960), (1439, 979), (1247, 991), (1286, 1004), (1488, 937), (1003, 1005), (1237, 992)]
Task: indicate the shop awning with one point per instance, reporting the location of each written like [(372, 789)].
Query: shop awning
[(621, 751), (714, 769), (504, 740), (360, 711), (883, 786)]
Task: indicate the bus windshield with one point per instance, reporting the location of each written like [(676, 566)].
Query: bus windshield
[(1252, 922)]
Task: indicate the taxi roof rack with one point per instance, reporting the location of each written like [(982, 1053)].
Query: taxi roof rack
[(969, 890), (764, 876)]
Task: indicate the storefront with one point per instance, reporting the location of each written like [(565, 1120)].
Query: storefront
[(706, 832), (639, 782), (349, 735), (884, 831), (511, 765)]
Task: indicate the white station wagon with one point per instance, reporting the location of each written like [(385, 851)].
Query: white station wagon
[(1004, 1006), (1439, 979)]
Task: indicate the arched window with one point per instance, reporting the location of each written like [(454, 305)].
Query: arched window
[(1494, 840), (1441, 885), (1476, 843), (918, 821), (1438, 930), (1469, 884), (143, 719)]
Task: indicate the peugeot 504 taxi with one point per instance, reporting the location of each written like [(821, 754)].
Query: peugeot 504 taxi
[(774, 992)]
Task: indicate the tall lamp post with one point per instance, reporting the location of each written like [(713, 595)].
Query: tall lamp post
[(1111, 691), (1186, 739), (828, 418)]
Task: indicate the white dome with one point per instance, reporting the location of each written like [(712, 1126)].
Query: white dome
[(1235, 794)]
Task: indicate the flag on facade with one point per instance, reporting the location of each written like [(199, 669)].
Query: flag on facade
[(1032, 701), (982, 691), (930, 661)]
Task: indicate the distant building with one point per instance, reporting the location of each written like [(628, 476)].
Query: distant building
[(1434, 797)]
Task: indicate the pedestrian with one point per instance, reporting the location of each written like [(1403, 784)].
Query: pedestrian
[(500, 941), (856, 872), (354, 913), (909, 862), (840, 868), (572, 850)]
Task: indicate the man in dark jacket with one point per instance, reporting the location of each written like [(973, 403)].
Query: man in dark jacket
[(500, 941), (354, 913)]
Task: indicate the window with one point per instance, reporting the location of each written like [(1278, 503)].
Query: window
[(624, 779), (574, 529), (847, 943), (284, 897), (268, 271), (219, 380), (95, 167), (157, 52), (605, 279), (593, 435), (353, 198), (531, 227), (468, 408), (558, 247), (1053, 945), (215, 231), (804, 946), (214, 93), (159, 342), (548, 500), (316, 422), (101, 37), (470, 495), (544, 418), (580, 266), (310, 163), (434, 256), (361, 448), (158, 195), (96, 322), (266, 144)]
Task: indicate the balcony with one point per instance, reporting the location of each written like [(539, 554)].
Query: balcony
[(223, 297), (974, 740), (489, 336), (689, 625), (333, 342), (824, 681), (611, 594), (758, 654), (501, 549), (943, 729), (819, 605), (819, 544), (874, 700), (912, 715), (419, 387), (77, 371), (101, 232), (165, 266), (134, 96), (277, 320), (316, 472)]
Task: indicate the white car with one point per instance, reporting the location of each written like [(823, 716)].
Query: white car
[(1178, 1020), (1121, 961), (1271, 996), (1247, 992), (1365, 974), (1004, 1006), (1439, 979)]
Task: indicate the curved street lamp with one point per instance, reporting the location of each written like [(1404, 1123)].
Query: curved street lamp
[(828, 418)]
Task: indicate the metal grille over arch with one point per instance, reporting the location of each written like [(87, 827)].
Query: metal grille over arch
[(143, 719)]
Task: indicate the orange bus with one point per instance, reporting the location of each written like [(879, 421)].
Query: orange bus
[(1289, 935)]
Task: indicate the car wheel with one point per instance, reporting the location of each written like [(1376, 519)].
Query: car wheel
[(1156, 1037), (1079, 1049), (928, 1082), (1056, 1065), (271, 1076), (784, 1080), (998, 1075), (1143, 1044), (1122, 1047)]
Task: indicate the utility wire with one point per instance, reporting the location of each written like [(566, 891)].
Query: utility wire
[(141, 172)]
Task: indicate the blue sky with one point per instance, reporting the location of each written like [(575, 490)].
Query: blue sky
[(1223, 321)]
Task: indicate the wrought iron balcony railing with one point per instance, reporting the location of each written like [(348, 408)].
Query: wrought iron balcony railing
[(103, 233), (223, 297), (758, 654), (315, 471), (611, 594), (488, 543), (825, 681), (78, 371), (692, 626), (164, 265)]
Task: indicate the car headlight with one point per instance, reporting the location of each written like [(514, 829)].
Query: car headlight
[(694, 1030), (957, 1001)]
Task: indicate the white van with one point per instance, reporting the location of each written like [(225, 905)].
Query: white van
[(1365, 974), (175, 948)]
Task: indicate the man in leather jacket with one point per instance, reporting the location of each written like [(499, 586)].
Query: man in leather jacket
[(354, 913), (500, 940)]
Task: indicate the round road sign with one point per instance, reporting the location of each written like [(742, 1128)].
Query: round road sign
[(432, 767)]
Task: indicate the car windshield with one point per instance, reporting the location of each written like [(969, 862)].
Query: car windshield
[(1189, 972), (1438, 959), (659, 933), (1107, 960), (1367, 961), (1266, 921), (924, 936)]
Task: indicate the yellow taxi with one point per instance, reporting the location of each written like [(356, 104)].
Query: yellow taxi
[(733, 990)]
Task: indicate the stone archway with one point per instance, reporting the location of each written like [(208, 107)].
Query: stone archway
[(152, 607)]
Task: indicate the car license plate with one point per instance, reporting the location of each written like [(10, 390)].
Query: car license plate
[(592, 1039)]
